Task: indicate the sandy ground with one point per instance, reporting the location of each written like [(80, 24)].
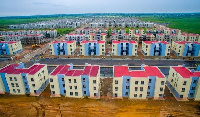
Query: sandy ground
[(44, 106)]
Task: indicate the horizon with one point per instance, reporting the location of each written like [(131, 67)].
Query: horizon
[(43, 7)]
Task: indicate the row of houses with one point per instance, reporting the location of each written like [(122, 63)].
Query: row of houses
[(127, 48), (65, 80), (10, 47), (53, 24)]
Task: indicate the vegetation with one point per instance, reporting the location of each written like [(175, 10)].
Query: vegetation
[(63, 31), (188, 24)]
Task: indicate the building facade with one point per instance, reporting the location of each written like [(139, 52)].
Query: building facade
[(186, 48), (17, 80), (91, 48), (149, 82), (62, 47), (10, 47), (156, 48), (183, 83), (127, 48), (77, 83)]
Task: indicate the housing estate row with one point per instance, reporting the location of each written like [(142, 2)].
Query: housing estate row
[(65, 80), (28, 36)]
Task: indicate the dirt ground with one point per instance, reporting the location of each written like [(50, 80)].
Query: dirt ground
[(44, 106)]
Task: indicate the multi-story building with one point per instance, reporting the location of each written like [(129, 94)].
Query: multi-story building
[(75, 37), (186, 48), (131, 32), (160, 37), (192, 37), (33, 39), (183, 37), (183, 83), (77, 83), (10, 47), (150, 37), (62, 47), (114, 36), (96, 48), (128, 48), (12, 37), (149, 82), (156, 48), (17, 80), (137, 38)]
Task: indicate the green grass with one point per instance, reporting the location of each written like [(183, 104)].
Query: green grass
[(186, 24), (63, 31)]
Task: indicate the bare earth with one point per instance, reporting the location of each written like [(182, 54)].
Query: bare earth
[(44, 106)]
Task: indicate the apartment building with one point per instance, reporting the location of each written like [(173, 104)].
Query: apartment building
[(76, 83), (126, 48), (149, 82), (156, 48), (10, 47), (183, 83), (91, 48), (18, 80), (62, 47), (186, 48)]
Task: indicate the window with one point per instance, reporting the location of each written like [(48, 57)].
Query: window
[(84, 92), (35, 91), (142, 82), (14, 90), (135, 95), (83, 79), (10, 78), (33, 85), (94, 81), (15, 78), (127, 87), (76, 93), (160, 95), (115, 94), (148, 93), (17, 85), (102, 49), (183, 90), (127, 80), (136, 82), (62, 79), (149, 80), (116, 88), (141, 88), (136, 88), (126, 93), (63, 85), (18, 90), (161, 89), (195, 81), (32, 79), (84, 86), (75, 87), (172, 80), (71, 93), (94, 88), (181, 96), (185, 82), (191, 94), (70, 81), (64, 91), (75, 81), (149, 87), (52, 86), (146, 46), (140, 95), (193, 88), (70, 87), (12, 84), (162, 82), (51, 80), (116, 81)]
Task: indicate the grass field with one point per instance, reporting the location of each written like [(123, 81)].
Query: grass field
[(186, 24)]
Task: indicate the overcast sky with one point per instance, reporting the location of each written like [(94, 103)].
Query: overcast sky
[(38, 7)]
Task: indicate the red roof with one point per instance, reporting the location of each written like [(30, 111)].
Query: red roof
[(64, 69), (172, 35), (184, 42), (184, 72), (184, 34), (153, 71), (160, 34), (192, 34), (123, 41), (126, 34), (62, 42), (120, 71), (9, 42), (103, 33), (137, 34), (92, 34), (197, 73), (151, 42), (100, 41), (114, 34), (92, 41), (31, 70), (138, 73)]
